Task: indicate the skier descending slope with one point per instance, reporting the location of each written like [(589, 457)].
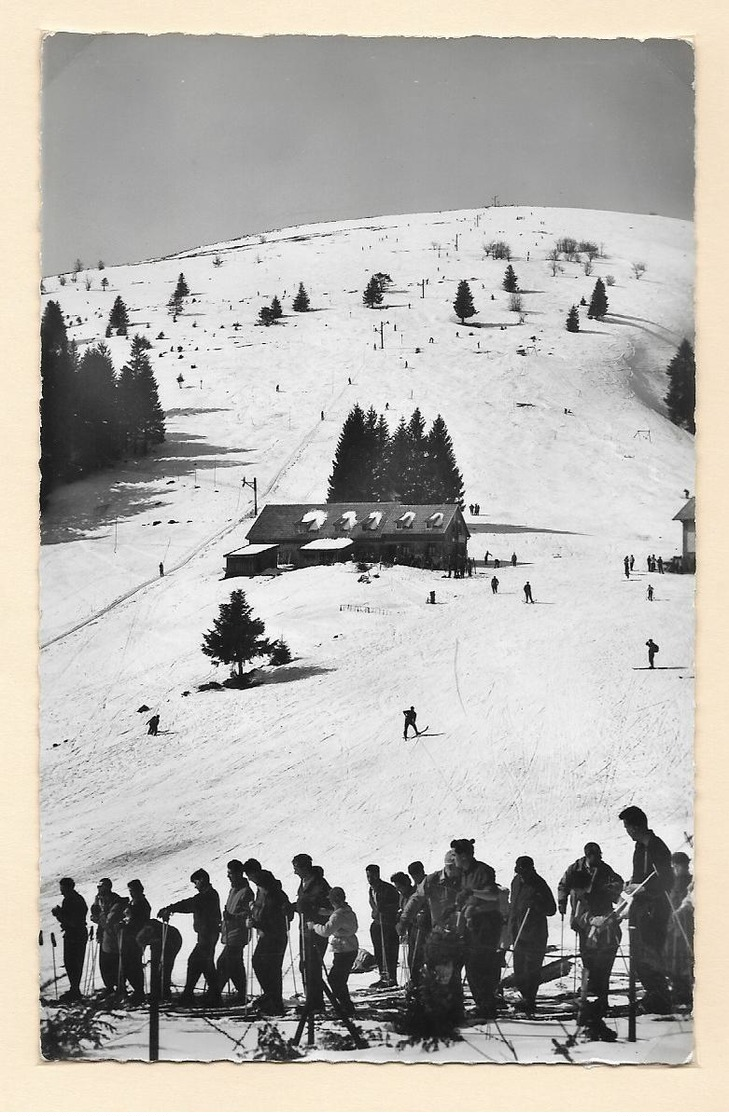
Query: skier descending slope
[(410, 718)]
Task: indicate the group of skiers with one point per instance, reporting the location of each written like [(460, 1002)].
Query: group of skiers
[(457, 917)]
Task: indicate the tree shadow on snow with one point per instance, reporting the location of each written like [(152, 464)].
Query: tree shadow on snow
[(131, 487), (293, 673)]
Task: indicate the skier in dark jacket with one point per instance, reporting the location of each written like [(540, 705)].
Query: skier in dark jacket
[(651, 881), (494, 584), (484, 909), (528, 599), (592, 888), (410, 718), (270, 916), (385, 904), (204, 907), (652, 649), (680, 937), (532, 902), (153, 725), (234, 932), (107, 911), (136, 915), (154, 934), (71, 914), (312, 905)]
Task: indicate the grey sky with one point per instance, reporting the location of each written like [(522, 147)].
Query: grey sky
[(155, 144)]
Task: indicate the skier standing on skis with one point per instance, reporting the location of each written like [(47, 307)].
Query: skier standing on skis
[(71, 914), (153, 934), (234, 932), (494, 584), (204, 906), (592, 888), (651, 880), (652, 649), (532, 902), (341, 930), (136, 916), (484, 910), (410, 718), (270, 915), (384, 904), (107, 911), (528, 599), (312, 905), (153, 725)]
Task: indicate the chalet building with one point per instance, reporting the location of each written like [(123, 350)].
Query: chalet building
[(687, 518), (430, 535)]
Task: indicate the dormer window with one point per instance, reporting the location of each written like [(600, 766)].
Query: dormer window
[(314, 520), (348, 521), (373, 521), (405, 522), (434, 521)]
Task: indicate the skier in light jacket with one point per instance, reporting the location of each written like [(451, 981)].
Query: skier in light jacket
[(341, 930)]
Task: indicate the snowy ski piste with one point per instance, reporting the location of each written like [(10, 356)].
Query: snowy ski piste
[(542, 724)]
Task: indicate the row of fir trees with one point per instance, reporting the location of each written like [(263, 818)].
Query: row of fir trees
[(409, 466), (90, 417)]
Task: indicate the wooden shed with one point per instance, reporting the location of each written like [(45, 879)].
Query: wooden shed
[(247, 561), (687, 518)]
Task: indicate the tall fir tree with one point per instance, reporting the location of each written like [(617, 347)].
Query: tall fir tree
[(345, 481), (510, 283), (57, 401), (237, 636), (97, 409), (573, 320), (401, 466), (182, 290), (118, 318), (373, 293), (681, 395), (445, 483), (141, 418), (418, 481), (276, 311), (599, 302), (463, 304), (301, 302)]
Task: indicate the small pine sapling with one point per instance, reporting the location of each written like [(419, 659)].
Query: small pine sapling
[(573, 320)]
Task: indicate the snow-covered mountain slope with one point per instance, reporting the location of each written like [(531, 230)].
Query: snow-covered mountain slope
[(541, 724)]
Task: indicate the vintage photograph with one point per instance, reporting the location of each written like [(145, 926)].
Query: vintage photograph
[(368, 555)]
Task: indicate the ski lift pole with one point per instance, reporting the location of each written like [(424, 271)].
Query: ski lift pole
[(53, 953)]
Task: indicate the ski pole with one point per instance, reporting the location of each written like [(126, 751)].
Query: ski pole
[(684, 935), (53, 952), (518, 936), (293, 966), (161, 967)]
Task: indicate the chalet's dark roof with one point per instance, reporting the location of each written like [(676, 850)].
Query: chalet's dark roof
[(687, 512), (277, 522)]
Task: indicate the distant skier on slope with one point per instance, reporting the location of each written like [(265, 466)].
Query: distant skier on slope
[(494, 584), (528, 598), (153, 725), (410, 718), (626, 566), (652, 649)]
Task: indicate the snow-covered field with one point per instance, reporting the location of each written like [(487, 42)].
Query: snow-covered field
[(542, 725)]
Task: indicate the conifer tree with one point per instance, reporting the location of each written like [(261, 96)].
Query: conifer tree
[(382, 457), (373, 293), (266, 316), (301, 302), (418, 480), (400, 465), (599, 302), (345, 479), (56, 405), (276, 311), (236, 636), (118, 318), (141, 417), (98, 433), (182, 290), (573, 320), (445, 483), (681, 395), (510, 283), (463, 304)]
